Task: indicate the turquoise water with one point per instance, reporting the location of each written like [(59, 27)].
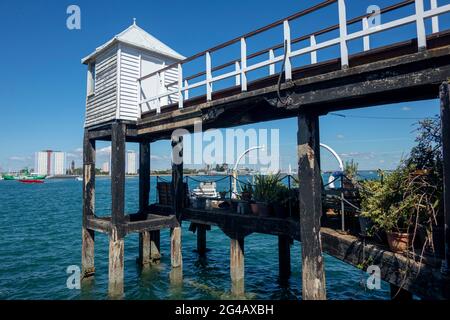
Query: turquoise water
[(40, 236)]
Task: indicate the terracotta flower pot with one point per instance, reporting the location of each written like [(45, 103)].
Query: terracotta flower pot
[(255, 209), (399, 242)]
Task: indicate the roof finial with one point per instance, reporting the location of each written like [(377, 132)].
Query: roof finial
[(134, 21)]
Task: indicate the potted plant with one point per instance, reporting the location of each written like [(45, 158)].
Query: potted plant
[(369, 188), (264, 193), (242, 205), (350, 178), (390, 207)]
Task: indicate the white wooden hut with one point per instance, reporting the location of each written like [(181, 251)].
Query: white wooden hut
[(113, 71)]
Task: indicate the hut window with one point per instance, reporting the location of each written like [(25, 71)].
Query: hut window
[(91, 79)]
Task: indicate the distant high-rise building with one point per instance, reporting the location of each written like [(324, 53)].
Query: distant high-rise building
[(105, 167), (50, 162), (72, 167), (59, 160), (131, 162), (43, 162)]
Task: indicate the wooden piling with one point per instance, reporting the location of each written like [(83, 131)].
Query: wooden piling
[(116, 264), (178, 197), (237, 264), (445, 134), (144, 176), (201, 239), (284, 258), (116, 237), (88, 236), (148, 249), (313, 276)]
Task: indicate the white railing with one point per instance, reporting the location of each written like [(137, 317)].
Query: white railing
[(241, 68)]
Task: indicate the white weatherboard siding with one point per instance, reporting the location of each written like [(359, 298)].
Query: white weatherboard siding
[(128, 87), (101, 106)]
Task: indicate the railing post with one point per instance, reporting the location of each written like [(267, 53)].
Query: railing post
[(208, 77), (366, 39), (420, 24), (434, 20), (313, 42), (180, 86), (272, 65), (186, 92), (287, 41), (139, 97), (343, 33), (290, 202), (243, 64), (237, 68), (164, 100)]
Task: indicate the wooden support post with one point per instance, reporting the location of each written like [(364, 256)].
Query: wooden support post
[(313, 276), (144, 176), (116, 264), (178, 197), (155, 253), (175, 248), (400, 294), (201, 240), (88, 236), (284, 258), (116, 241), (148, 240), (237, 265), (445, 134)]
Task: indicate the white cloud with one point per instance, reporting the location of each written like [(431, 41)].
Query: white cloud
[(104, 151), (17, 158), (340, 136), (406, 109)]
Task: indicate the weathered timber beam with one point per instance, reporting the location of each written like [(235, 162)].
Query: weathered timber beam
[(116, 237), (445, 135), (118, 149), (144, 176), (201, 240), (284, 258), (310, 197), (99, 224), (144, 194), (178, 194), (244, 224), (421, 279), (88, 235), (153, 224)]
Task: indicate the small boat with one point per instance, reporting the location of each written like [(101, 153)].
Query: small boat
[(30, 181), (79, 178)]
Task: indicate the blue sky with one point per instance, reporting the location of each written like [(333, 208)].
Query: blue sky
[(43, 84)]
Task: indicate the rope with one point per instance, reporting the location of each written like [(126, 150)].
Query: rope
[(281, 74), (207, 180)]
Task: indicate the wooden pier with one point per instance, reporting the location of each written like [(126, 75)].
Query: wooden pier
[(406, 71)]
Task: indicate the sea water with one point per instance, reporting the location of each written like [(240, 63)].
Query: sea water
[(40, 237)]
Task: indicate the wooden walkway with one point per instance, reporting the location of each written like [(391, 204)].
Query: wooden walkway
[(403, 71)]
